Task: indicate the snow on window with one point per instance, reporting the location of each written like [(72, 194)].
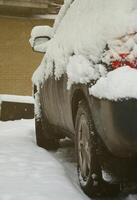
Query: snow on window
[(120, 83)]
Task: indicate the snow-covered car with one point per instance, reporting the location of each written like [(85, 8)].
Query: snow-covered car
[(86, 88)]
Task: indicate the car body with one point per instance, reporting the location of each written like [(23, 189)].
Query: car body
[(116, 128), (115, 120)]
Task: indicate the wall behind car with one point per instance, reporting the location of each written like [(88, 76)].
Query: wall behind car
[(17, 60)]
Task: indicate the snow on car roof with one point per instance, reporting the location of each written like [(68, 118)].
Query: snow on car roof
[(84, 30)]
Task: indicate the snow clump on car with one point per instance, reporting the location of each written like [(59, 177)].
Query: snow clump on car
[(118, 84)]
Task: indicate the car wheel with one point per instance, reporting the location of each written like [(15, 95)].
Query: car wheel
[(42, 140), (89, 170)]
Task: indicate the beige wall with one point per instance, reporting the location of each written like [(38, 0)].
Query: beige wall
[(17, 60)]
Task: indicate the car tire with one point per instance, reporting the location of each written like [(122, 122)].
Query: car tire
[(42, 140), (88, 168)]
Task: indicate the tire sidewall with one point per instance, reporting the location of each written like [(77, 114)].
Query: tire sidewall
[(90, 186)]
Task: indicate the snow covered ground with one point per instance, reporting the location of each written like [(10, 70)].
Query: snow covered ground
[(28, 172)]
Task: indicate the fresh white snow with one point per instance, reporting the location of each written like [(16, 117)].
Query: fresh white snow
[(79, 74), (83, 28), (120, 83), (61, 14), (42, 33), (16, 98), (28, 172), (86, 28), (39, 31)]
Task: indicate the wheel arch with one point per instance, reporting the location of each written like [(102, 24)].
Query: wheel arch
[(78, 95)]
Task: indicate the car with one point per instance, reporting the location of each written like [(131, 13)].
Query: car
[(85, 89)]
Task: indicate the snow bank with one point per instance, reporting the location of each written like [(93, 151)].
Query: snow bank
[(120, 83), (16, 98)]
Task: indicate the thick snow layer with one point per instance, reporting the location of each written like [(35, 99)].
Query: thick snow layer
[(120, 83), (62, 13), (41, 31), (40, 44), (16, 98), (28, 172), (80, 70), (84, 28)]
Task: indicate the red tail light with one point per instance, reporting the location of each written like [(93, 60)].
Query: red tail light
[(124, 62), (121, 52)]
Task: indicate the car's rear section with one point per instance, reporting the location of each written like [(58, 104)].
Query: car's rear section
[(114, 107), (116, 122)]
